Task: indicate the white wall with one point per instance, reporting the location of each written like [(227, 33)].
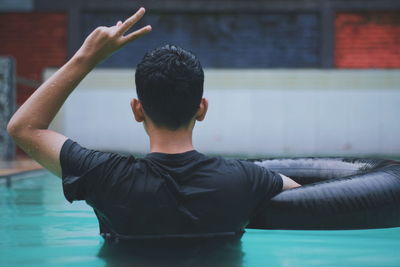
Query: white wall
[(269, 112)]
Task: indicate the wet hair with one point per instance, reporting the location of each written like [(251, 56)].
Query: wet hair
[(169, 84)]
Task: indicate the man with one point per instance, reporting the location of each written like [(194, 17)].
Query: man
[(174, 191)]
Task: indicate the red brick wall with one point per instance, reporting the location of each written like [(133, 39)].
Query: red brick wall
[(367, 40), (36, 40)]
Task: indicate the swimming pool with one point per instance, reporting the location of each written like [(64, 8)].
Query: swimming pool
[(38, 227)]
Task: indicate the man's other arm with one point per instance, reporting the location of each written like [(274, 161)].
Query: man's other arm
[(288, 183), (29, 125)]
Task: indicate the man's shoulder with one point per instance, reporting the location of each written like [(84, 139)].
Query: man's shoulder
[(239, 163), (233, 164), (76, 158)]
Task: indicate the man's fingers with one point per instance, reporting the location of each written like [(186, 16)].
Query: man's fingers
[(131, 21), (127, 24), (136, 34)]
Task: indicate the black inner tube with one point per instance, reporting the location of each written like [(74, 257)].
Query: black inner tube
[(337, 194)]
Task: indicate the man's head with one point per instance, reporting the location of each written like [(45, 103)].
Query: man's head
[(169, 84)]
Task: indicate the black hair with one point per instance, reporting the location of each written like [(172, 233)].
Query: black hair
[(169, 84)]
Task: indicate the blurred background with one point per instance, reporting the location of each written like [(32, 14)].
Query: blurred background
[(283, 78)]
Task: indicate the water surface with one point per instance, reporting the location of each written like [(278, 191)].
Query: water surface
[(38, 227)]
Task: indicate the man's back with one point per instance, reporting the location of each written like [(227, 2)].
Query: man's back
[(166, 194)]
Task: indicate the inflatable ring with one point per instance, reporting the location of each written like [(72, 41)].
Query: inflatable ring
[(337, 193)]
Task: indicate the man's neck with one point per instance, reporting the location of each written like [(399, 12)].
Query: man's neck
[(170, 142)]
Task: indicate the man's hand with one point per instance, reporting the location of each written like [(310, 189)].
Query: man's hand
[(104, 41), (29, 125)]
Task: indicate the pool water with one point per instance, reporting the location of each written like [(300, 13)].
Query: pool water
[(38, 227)]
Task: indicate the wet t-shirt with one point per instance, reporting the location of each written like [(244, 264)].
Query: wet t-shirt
[(166, 194)]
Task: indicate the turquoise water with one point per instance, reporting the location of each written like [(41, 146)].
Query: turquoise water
[(38, 227)]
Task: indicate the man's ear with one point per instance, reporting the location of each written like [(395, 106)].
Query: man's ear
[(201, 113), (137, 110)]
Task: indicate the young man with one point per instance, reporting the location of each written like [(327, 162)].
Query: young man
[(174, 190)]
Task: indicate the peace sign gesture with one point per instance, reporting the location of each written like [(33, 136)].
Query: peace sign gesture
[(103, 41)]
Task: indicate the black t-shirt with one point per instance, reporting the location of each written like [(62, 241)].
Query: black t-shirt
[(166, 194)]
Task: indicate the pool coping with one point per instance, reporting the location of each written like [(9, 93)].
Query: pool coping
[(19, 169)]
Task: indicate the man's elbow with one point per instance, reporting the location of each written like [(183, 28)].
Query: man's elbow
[(15, 130), (12, 128)]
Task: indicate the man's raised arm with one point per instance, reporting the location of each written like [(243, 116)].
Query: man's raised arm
[(29, 125)]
